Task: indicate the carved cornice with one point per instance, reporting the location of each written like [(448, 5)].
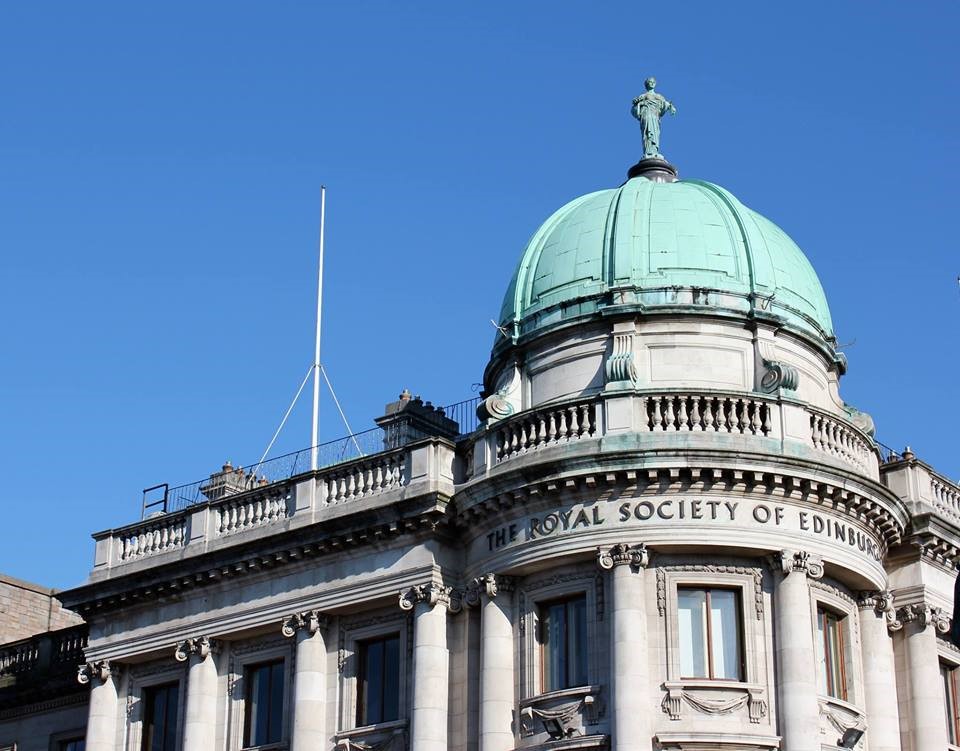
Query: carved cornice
[(923, 615), (201, 646), (800, 562), (431, 594), (490, 585), (101, 670), (309, 621), (621, 554)]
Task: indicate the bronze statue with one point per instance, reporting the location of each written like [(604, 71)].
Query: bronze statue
[(648, 108)]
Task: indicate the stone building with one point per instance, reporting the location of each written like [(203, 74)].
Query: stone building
[(667, 531)]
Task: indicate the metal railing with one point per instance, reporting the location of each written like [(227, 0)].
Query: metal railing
[(231, 480), (888, 454)]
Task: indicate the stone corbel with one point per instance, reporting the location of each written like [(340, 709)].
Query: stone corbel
[(101, 670), (772, 374), (561, 721), (851, 727), (310, 621), (506, 399), (925, 615), (673, 700), (490, 585), (201, 646), (620, 368), (801, 562), (432, 594), (756, 705), (621, 554)]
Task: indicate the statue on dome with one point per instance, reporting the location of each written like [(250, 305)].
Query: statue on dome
[(648, 108)]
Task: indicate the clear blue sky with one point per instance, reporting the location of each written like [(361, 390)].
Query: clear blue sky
[(159, 175)]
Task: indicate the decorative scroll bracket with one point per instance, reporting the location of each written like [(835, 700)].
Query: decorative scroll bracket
[(432, 594)]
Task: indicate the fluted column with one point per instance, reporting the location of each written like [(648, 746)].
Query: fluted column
[(798, 708), (431, 691), (309, 679), (879, 676), (629, 659), (927, 723), (200, 718), (102, 715), (494, 594)]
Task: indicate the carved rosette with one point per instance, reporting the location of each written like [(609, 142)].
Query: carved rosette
[(801, 562), (924, 615), (100, 670), (490, 585), (621, 554), (310, 621), (201, 646), (432, 594)]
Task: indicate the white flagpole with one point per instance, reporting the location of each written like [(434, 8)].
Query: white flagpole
[(316, 351)]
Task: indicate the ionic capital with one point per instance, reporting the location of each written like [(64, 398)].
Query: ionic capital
[(621, 554), (201, 646), (924, 615), (101, 670), (490, 585), (801, 562), (309, 621), (432, 594), (881, 603)]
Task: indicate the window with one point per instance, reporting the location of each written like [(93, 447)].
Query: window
[(710, 633), (830, 654), (74, 744), (263, 710), (378, 680), (948, 675), (563, 643), (159, 719)]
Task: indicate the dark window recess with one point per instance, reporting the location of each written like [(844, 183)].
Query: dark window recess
[(563, 643), (74, 744), (263, 708), (378, 681), (160, 707)]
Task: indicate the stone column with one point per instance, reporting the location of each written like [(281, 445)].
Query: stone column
[(309, 680), (879, 676), (431, 691), (102, 716), (633, 708), (927, 725), (493, 593), (200, 717), (798, 707)]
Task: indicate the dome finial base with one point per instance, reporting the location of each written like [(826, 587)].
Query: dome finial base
[(656, 169)]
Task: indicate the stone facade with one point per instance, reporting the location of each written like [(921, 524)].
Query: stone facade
[(27, 609)]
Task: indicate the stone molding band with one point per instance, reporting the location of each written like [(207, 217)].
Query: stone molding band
[(309, 621), (432, 594), (100, 669), (201, 646), (622, 554), (801, 562)]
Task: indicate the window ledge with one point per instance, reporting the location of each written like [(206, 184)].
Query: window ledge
[(282, 746), (563, 693), (560, 714), (356, 738), (717, 683), (751, 696)]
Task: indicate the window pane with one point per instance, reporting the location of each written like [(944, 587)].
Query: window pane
[(725, 631), (830, 654), (577, 642), (391, 679), (691, 613), (554, 657), (274, 734), (263, 719), (378, 681), (563, 643), (159, 718), (821, 652)]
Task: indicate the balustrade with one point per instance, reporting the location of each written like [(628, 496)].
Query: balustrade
[(153, 537), (833, 437), (375, 475), (546, 427), (248, 511), (707, 413), (946, 497)]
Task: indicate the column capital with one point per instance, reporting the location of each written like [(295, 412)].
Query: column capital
[(99, 669), (432, 594), (309, 621), (201, 646), (622, 554), (924, 615), (800, 561), (490, 585), (881, 603)]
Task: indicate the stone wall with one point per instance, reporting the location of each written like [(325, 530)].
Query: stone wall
[(27, 609)]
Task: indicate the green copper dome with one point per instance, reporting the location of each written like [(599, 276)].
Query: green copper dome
[(687, 246)]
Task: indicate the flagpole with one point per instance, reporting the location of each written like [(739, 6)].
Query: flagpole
[(316, 350)]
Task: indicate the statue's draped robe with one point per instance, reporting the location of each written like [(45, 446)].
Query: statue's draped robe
[(648, 109)]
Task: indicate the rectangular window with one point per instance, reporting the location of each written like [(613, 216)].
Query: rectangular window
[(948, 676), (378, 680), (159, 718), (263, 709), (710, 633), (74, 744), (830, 654), (563, 643)]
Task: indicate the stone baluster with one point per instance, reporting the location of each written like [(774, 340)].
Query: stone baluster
[(493, 593), (879, 677), (927, 723), (798, 708), (102, 714), (633, 708), (309, 679), (200, 717), (428, 717)]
